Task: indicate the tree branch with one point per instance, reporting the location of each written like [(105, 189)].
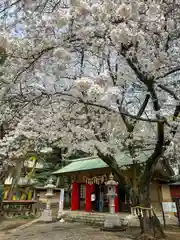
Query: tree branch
[(9, 6), (124, 118), (40, 54), (110, 70), (147, 174), (144, 105), (141, 110), (174, 70), (166, 89), (111, 162), (131, 62), (94, 104)]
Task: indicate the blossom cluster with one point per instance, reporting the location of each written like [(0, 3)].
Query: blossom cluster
[(73, 71)]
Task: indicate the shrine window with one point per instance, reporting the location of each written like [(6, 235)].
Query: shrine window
[(82, 191)]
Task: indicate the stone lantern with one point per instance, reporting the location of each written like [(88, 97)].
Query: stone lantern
[(47, 213), (49, 194), (111, 187), (112, 220)]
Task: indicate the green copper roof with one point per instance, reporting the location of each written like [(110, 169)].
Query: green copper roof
[(90, 163)]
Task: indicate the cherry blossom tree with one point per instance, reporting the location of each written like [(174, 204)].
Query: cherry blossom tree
[(100, 75)]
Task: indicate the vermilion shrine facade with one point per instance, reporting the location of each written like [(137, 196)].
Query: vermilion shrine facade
[(88, 177), (82, 192)]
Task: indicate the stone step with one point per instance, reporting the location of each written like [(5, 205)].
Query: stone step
[(88, 218), (99, 218)]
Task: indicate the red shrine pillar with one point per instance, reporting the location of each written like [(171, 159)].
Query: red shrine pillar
[(75, 201), (116, 201), (90, 188), (88, 198)]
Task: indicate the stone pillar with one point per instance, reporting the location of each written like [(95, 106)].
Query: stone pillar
[(34, 194), (61, 203), (111, 185), (112, 220), (111, 204), (47, 213)]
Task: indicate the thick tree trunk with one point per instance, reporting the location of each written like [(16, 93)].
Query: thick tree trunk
[(149, 222), (1, 200)]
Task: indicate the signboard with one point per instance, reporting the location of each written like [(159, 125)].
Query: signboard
[(169, 207)]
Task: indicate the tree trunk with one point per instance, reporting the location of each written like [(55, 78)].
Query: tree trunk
[(1, 200), (149, 222)]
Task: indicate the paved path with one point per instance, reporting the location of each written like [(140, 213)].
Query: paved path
[(60, 231)]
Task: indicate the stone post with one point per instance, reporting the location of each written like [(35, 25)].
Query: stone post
[(111, 185), (61, 204), (112, 220), (47, 213)]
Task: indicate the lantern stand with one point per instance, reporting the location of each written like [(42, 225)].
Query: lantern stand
[(111, 185), (47, 213), (112, 221)]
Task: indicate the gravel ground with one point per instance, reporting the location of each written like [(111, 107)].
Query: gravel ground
[(6, 225), (60, 231)]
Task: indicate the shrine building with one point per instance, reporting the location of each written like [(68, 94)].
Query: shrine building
[(88, 177)]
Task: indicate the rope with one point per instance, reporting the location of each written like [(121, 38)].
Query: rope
[(138, 210), (139, 207)]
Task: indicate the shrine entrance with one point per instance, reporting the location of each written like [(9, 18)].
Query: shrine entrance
[(101, 202), (98, 192)]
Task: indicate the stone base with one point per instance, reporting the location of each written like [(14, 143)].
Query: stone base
[(59, 215), (112, 221), (47, 216), (114, 229), (61, 220), (113, 224)]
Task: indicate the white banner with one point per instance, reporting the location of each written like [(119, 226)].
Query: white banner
[(169, 207)]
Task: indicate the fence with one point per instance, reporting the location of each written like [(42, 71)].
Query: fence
[(15, 208)]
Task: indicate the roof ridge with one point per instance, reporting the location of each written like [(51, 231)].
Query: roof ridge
[(83, 158)]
